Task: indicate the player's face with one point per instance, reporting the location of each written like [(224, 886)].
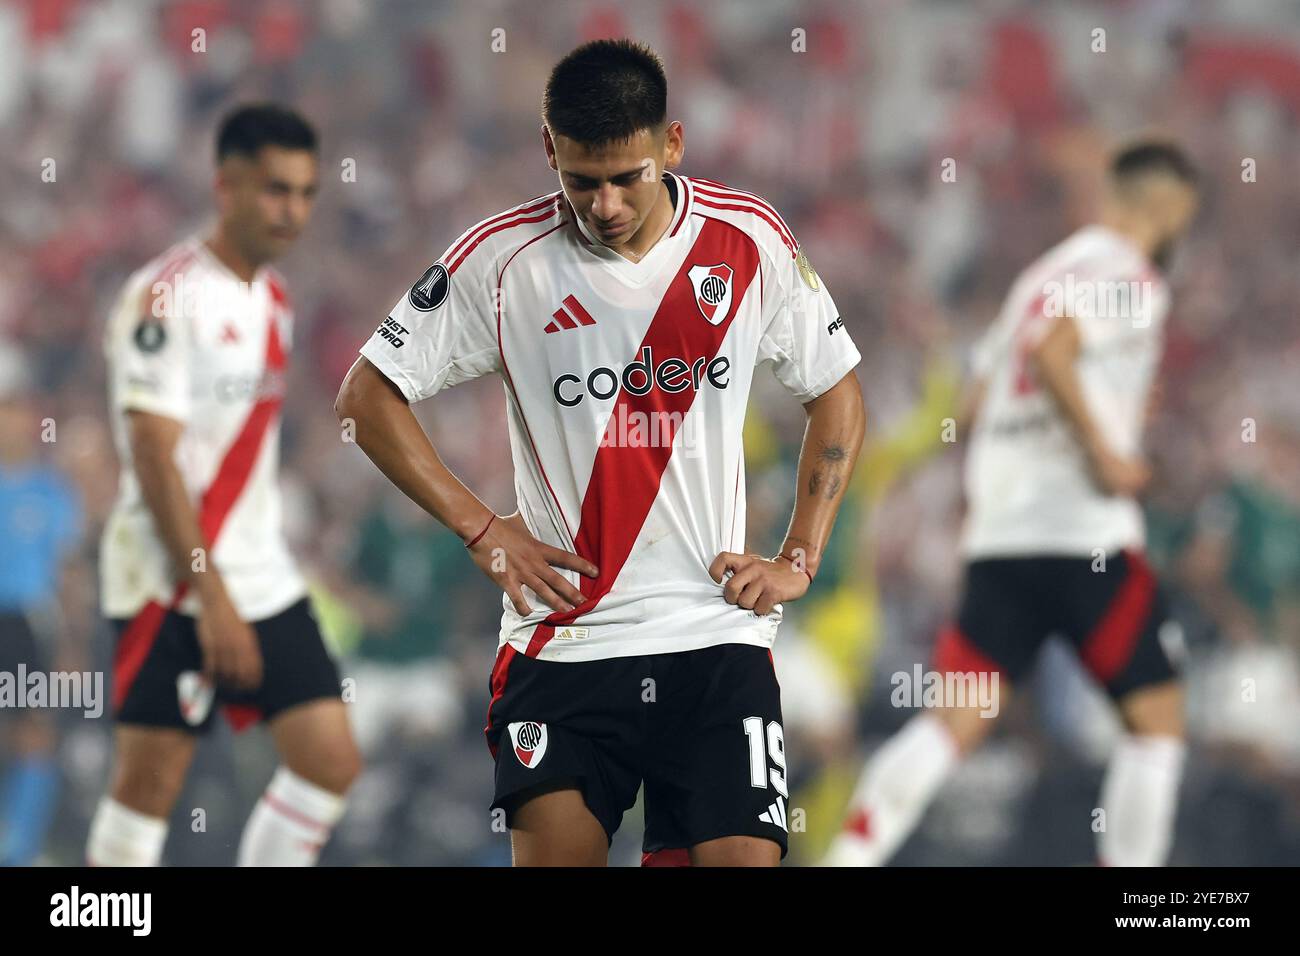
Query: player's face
[(614, 188), (1175, 203), (267, 201)]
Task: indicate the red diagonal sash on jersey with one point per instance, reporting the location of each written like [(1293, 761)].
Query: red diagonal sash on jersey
[(214, 507), (625, 480)]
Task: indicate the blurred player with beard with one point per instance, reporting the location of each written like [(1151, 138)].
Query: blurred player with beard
[(1054, 537), (626, 313), (207, 604)]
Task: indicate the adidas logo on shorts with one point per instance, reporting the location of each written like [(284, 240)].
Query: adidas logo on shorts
[(775, 814)]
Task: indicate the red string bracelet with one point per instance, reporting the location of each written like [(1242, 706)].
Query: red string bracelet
[(795, 563), (481, 533)]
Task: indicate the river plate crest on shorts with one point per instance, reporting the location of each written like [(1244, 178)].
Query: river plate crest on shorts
[(195, 693), (529, 739)]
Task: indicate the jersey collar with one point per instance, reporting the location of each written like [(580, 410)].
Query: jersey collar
[(640, 268)]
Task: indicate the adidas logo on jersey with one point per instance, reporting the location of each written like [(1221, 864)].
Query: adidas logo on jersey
[(529, 739), (574, 317), (775, 815)]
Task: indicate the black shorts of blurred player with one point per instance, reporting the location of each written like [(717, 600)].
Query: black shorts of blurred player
[(1113, 612), (158, 686), (574, 742), (157, 671)]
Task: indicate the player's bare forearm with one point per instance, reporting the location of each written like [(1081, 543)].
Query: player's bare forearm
[(837, 421), (387, 431), (228, 644), (389, 434), (1053, 362), (153, 441)]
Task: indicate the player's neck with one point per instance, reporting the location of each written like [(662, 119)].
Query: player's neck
[(655, 226), (1138, 230), (228, 254)]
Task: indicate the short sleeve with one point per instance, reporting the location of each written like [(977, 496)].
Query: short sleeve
[(441, 332), (803, 335), (148, 350)]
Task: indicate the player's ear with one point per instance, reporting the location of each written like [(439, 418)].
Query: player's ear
[(549, 145), (220, 187), (674, 145)]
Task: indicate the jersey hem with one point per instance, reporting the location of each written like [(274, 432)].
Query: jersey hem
[(1021, 550), (260, 612), (642, 648)]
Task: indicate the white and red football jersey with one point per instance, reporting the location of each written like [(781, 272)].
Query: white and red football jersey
[(626, 387), (187, 340), (1028, 487)]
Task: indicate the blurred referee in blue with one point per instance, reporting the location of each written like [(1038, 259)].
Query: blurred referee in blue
[(40, 523)]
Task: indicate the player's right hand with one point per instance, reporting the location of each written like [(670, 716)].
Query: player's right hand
[(513, 558), (1117, 475), (229, 646)]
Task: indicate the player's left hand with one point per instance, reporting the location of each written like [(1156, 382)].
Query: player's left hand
[(757, 583)]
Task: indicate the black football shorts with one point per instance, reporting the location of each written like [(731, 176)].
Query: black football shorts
[(701, 728), (157, 669), (1117, 619)]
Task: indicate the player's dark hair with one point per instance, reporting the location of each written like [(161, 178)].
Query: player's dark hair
[(246, 129), (1147, 157), (606, 91)]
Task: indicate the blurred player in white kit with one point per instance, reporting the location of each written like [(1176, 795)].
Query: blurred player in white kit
[(1054, 538)]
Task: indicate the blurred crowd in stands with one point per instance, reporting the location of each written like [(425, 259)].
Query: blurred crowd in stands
[(844, 116)]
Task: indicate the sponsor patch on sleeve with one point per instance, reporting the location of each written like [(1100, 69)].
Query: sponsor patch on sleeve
[(150, 334), (431, 290)]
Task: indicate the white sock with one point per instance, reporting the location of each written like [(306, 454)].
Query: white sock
[(896, 786), (1140, 798), (290, 823), (120, 836)]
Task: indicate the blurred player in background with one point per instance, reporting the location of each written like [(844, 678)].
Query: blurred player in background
[(625, 313), (1054, 538), (40, 522), (205, 599)]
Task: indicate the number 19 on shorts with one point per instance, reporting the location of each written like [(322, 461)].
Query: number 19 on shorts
[(763, 746)]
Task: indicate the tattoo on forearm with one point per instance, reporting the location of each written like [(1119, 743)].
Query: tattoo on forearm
[(833, 456), (834, 453), (831, 483)]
